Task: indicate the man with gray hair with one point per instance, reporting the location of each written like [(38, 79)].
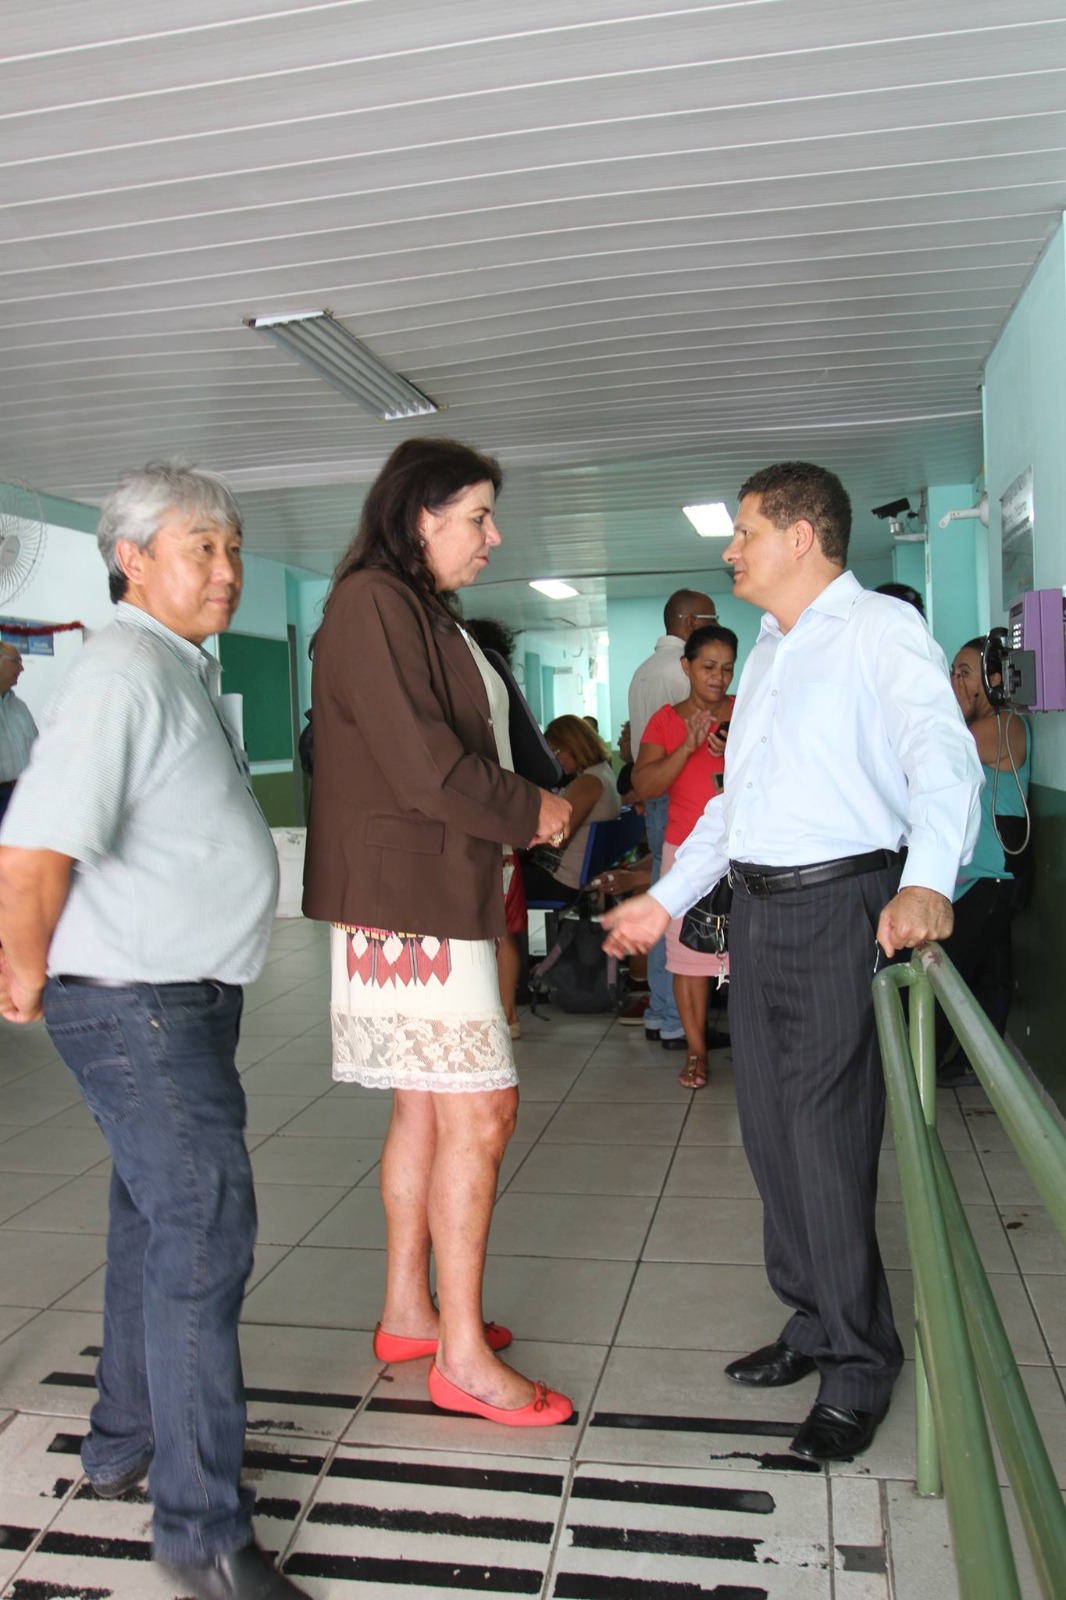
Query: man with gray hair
[(138, 880)]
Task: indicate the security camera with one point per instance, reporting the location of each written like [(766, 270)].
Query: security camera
[(894, 508)]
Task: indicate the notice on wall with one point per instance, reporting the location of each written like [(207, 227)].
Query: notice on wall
[(27, 644), (1016, 523)]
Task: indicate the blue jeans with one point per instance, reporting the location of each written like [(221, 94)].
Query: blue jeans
[(156, 1067), (662, 1012)]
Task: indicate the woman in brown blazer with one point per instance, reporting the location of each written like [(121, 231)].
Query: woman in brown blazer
[(411, 806)]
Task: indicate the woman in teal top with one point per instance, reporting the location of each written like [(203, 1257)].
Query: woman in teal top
[(986, 892)]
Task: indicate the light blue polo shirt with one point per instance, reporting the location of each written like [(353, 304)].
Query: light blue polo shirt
[(135, 777)]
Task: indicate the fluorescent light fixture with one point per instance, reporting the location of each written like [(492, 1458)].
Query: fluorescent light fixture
[(710, 521), (554, 588), (321, 342)]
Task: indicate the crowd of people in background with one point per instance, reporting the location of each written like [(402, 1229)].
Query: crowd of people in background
[(838, 789)]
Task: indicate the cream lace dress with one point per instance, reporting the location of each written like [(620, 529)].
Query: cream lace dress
[(412, 1012)]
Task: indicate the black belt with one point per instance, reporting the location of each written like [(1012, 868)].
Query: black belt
[(77, 981), (777, 880), (7, 784)]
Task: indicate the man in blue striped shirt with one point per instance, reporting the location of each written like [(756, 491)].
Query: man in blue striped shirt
[(138, 880)]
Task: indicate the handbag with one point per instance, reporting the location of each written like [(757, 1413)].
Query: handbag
[(705, 926), (531, 754)]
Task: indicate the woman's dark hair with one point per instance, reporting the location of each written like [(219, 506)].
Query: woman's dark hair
[(713, 633), (492, 635), (420, 475)]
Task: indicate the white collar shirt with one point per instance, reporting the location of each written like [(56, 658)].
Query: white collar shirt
[(845, 738), (17, 733), (659, 681)]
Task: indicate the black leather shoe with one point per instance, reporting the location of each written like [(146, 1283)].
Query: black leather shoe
[(674, 1044), (771, 1367), (238, 1575), (651, 1034), (113, 1487), (835, 1433)]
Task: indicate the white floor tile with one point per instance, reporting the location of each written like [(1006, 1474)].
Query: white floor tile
[(592, 1169), (595, 1227), (626, 1256)]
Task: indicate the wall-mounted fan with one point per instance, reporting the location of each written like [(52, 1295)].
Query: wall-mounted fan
[(22, 537)]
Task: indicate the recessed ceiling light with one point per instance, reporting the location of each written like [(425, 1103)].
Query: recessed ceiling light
[(711, 521), (554, 588)]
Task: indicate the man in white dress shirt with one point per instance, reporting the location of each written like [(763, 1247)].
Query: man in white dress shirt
[(660, 681), (845, 747), (17, 727)]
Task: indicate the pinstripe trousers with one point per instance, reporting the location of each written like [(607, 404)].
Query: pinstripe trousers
[(811, 1099)]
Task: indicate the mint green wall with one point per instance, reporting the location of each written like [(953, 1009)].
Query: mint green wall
[(951, 602), (634, 625), (909, 566), (304, 596), (59, 513), (1025, 426), (262, 609)]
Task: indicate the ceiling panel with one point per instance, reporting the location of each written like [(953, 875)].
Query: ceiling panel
[(637, 248)]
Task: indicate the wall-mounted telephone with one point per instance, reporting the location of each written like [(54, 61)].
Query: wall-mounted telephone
[(1029, 655)]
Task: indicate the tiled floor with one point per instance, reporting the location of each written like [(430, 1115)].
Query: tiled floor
[(626, 1254)]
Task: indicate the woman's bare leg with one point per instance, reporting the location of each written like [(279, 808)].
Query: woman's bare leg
[(690, 997), (406, 1164), (472, 1135)]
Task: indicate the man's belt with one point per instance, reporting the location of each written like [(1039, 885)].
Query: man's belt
[(72, 980), (6, 785), (778, 880)]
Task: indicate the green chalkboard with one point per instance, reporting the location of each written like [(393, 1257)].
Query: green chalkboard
[(258, 669)]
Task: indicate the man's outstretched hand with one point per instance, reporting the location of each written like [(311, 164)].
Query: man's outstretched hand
[(634, 926), (914, 917)]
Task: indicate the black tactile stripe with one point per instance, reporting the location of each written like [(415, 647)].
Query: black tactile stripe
[(344, 1514), (285, 1397), (758, 1502), (430, 1575), (670, 1424), (489, 1478), (426, 1408)]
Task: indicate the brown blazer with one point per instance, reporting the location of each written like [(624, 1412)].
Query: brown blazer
[(409, 807)]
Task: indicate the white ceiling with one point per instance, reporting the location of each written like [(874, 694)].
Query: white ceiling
[(636, 248)]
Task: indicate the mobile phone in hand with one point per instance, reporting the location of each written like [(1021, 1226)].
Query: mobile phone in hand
[(722, 731)]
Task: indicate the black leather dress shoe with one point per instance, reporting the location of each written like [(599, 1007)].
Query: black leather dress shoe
[(771, 1367), (113, 1487), (238, 1575), (835, 1433)]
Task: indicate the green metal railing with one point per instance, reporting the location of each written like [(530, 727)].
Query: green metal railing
[(962, 1348)]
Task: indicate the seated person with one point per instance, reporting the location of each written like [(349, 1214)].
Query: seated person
[(986, 891), (591, 791)]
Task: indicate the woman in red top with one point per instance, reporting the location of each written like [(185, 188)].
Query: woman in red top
[(682, 754)]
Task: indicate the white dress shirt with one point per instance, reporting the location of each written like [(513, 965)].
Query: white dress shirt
[(846, 737), (659, 681), (17, 733)]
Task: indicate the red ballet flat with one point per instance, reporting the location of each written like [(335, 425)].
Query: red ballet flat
[(394, 1347), (546, 1408)]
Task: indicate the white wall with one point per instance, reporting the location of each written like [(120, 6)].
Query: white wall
[(69, 585)]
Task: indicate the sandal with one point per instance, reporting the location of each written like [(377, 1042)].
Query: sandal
[(694, 1075)]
